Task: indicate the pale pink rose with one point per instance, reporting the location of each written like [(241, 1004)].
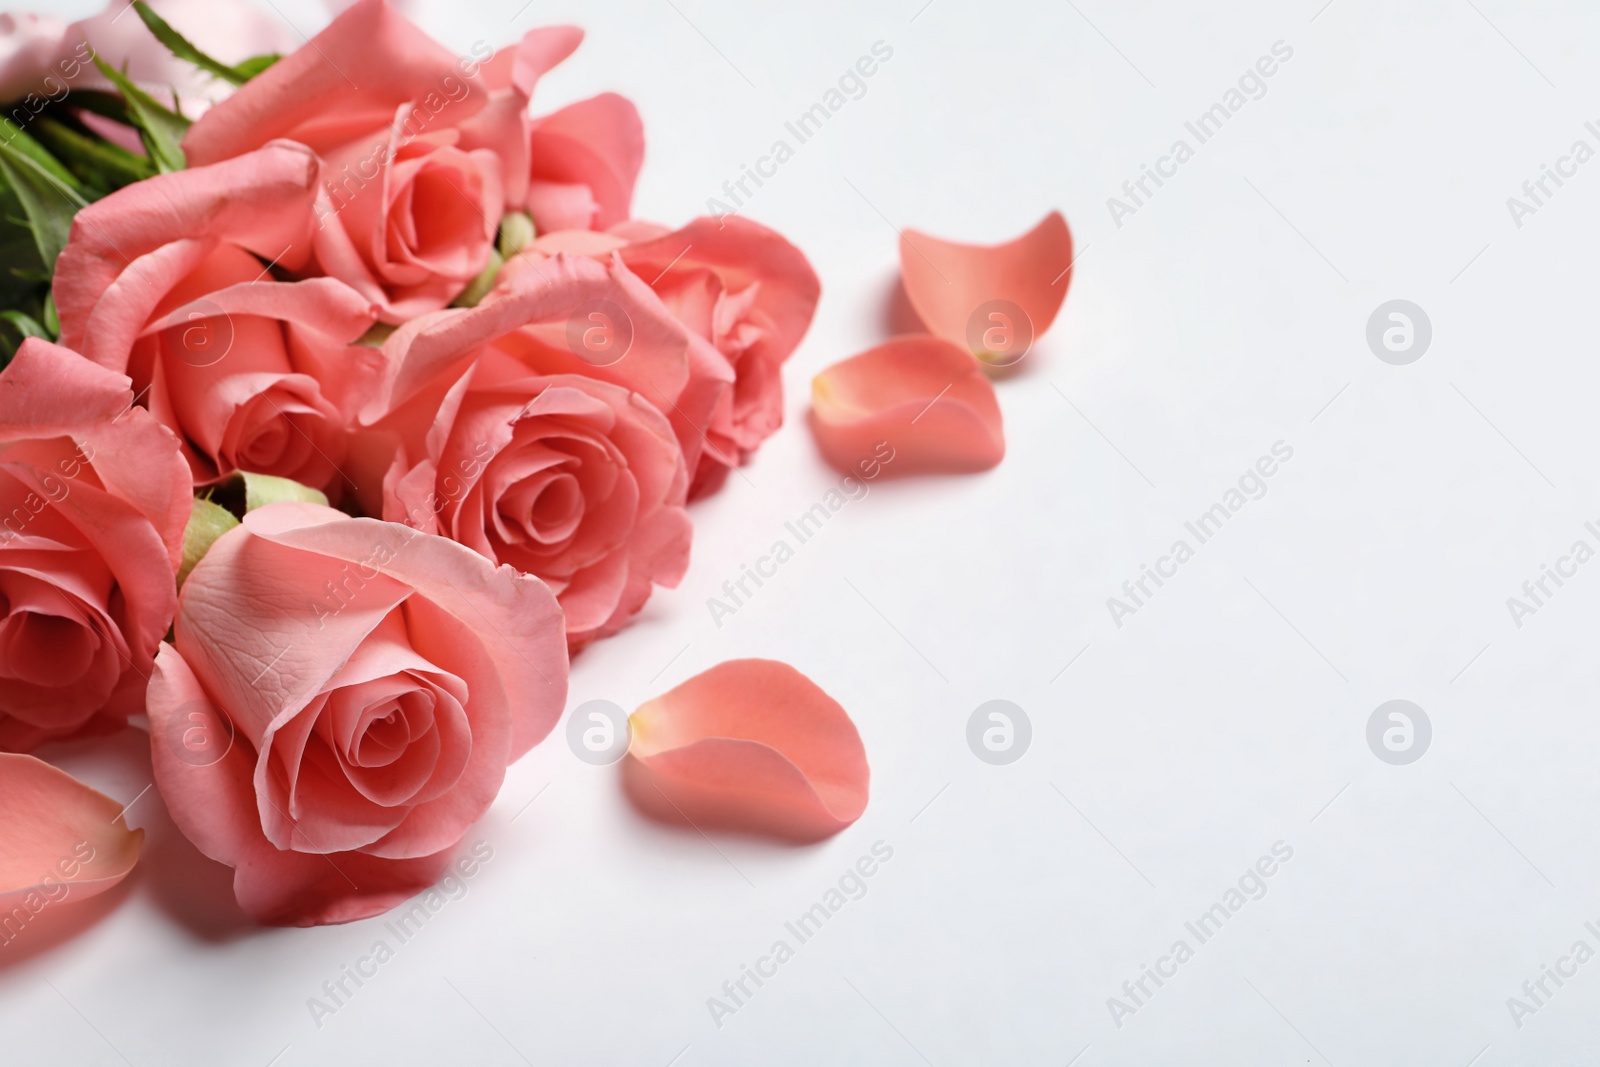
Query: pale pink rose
[(28, 47), (747, 297), (93, 501), (421, 150), (171, 281), (229, 31), (340, 704), (506, 440)]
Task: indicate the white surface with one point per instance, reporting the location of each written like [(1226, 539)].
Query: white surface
[(1206, 328)]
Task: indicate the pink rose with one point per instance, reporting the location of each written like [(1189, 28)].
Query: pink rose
[(341, 703), (421, 150), (504, 439), (170, 281), (746, 296), (93, 501)]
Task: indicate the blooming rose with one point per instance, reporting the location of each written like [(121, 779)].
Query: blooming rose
[(93, 502), (496, 434), (746, 296), (170, 281), (421, 150), (340, 703)]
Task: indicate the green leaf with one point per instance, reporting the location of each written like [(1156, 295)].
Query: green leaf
[(256, 64), (160, 128), (27, 146), (25, 324), (183, 48), (48, 201), (99, 164)]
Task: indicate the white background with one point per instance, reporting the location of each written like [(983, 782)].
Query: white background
[(1229, 713)]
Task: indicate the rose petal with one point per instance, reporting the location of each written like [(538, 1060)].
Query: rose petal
[(753, 745), (382, 60), (596, 143), (55, 832), (948, 283), (911, 404), (261, 202)]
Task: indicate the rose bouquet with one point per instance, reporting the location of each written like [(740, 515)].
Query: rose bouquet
[(342, 400)]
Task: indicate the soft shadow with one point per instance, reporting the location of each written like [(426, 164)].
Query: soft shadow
[(196, 892), (60, 922), (898, 315)]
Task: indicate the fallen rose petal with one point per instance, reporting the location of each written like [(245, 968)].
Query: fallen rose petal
[(973, 294), (59, 839), (919, 401), (753, 745)]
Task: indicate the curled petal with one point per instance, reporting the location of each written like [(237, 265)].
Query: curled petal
[(958, 289), (596, 143), (752, 745), (911, 404), (205, 779), (59, 839)]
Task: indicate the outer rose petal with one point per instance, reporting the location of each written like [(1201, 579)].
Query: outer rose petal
[(134, 456), (215, 807), (928, 399), (261, 202), (383, 61), (948, 282), (751, 744), (516, 616), (55, 831), (597, 143)]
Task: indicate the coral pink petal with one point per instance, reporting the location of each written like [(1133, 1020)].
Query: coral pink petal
[(750, 745), (911, 404), (598, 143), (59, 839), (957, 288)]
